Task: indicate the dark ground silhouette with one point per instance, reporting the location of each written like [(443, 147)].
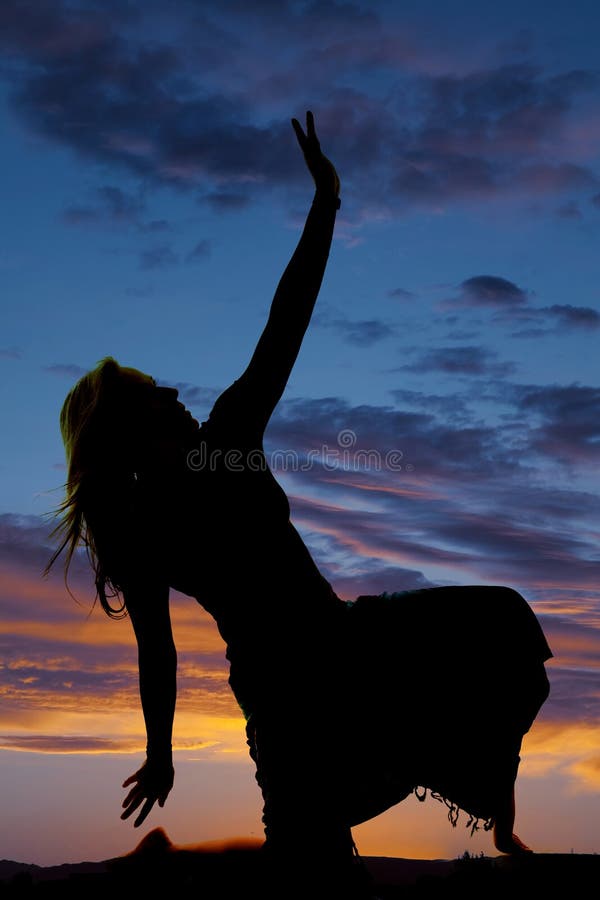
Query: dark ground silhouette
[(233, 871)]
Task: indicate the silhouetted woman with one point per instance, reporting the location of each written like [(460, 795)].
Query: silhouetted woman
[(349, 706)]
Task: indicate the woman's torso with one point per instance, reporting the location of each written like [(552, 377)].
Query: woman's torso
[(228, 541)]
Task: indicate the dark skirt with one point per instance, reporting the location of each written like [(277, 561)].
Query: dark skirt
[(421, 690)]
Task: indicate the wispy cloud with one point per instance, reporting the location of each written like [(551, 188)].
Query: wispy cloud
[(570, 316), (11, 353), (513, 306), (160, 257), (112, 205), (399, 293), (66, 370), (200, 252), (359, 332), (466, 360)]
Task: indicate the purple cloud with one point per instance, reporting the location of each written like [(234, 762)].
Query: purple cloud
[(569, 211), (400, 294), (571, 316), (160, 257), (11, 353), (511, 305), (468, 360), (66, 370), (200, 252), (193, 395), (227, 201), (113, 205), (360, 333), (565, 421), (491, 291)]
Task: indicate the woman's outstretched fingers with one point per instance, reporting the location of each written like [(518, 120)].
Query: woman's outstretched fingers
[(144, 812), (133, 801), (308, 140), (151, 784), (299, 134), (323, 172)]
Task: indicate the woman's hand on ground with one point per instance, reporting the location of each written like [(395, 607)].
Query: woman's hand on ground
[(152, 784), (322, 170)]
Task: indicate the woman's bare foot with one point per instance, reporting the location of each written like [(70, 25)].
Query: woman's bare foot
[(511, 844), (505, 840)]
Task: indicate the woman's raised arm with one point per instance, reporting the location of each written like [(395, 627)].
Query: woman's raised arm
[(249, 402)]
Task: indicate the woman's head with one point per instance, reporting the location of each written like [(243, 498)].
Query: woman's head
[(115, 422), (85, 417)]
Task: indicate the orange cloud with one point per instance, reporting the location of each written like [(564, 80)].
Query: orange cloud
[(43, 610), (584, 608), (569, 748), (424, 493), (587, 771)]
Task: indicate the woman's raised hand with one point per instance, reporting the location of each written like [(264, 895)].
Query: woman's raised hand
[(152, 784), (322, 170)]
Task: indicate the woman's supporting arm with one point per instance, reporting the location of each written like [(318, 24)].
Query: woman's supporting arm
[(251, 399), (148, 607)]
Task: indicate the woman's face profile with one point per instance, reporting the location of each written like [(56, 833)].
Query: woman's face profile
[(157, 409)]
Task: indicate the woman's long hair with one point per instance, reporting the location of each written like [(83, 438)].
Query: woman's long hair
[(93, 426)]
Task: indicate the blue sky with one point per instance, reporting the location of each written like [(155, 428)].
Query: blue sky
[(153, 193)]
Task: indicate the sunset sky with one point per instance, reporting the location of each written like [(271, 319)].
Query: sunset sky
[(442, 423)]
